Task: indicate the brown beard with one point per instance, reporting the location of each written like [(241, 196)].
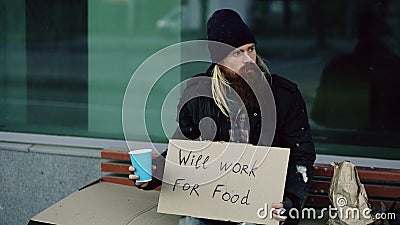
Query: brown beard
[(242, 88)]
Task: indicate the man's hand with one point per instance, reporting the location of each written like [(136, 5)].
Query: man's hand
[(278, 211), (133, 177)]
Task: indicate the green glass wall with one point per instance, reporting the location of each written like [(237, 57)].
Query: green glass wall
[(121, 35), (64, 65)]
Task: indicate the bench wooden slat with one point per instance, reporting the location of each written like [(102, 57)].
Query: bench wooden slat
[(377, 204), (117, 180), (115, 168), (380, 183), (317, 201), (119, 155), (321, 201), (116, 155), (322, 187), (317, 187), (365, 173), (120, 180)]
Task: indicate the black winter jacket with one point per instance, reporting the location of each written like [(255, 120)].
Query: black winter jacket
[(292, 128)]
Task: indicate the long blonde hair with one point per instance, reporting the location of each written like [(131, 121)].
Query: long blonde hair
[(219, 85)]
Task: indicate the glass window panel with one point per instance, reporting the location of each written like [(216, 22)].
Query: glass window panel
[(64, 65), (56, 63), (122, 34), (351, 104)]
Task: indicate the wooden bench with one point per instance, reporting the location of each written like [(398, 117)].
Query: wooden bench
[(382, 184)]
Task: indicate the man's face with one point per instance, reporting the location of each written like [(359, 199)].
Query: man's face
[(242, 61)]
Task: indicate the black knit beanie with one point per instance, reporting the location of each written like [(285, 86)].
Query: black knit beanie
[(226, 26)]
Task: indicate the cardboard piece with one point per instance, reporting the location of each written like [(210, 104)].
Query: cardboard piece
[(223, 181), (106, 203)]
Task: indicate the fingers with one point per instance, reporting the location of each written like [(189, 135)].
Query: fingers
[(141, 184), (279, 218), (276, 214), (278, 211), (133, 177), (132, 169), (277, 205)]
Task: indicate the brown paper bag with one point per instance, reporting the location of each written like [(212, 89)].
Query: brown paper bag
[(348, 196)]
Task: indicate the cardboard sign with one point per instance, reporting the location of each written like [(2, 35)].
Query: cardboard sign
[(223, 181), (104, 203)]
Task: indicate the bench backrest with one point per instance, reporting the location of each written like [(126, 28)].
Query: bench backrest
[(382, 184)]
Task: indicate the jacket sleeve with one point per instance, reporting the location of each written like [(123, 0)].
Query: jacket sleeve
[(187, 128), (296, 134)]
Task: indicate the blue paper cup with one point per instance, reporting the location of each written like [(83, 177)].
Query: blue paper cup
[(141, 160)]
